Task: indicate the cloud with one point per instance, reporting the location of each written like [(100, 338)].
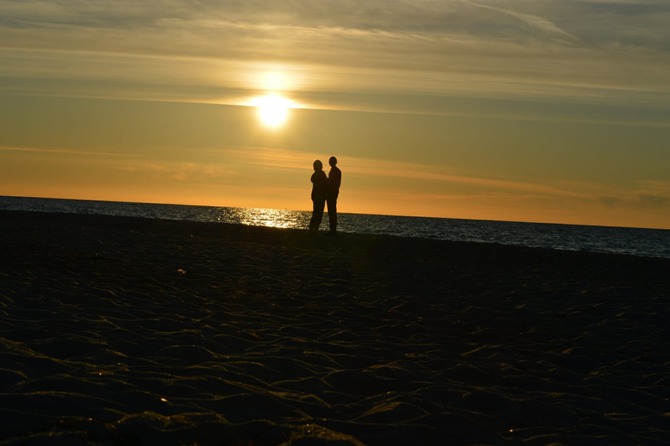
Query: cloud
[(582, 52), (542, 24), (437, 177), (653, 194), (442, 183), (444, 180), (647, 194), (64, 151), (458, 21), (175, 171)]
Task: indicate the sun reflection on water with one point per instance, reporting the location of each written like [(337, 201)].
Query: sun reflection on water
[(270, 218)]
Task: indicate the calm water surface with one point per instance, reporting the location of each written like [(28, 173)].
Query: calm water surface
[(638, 242)]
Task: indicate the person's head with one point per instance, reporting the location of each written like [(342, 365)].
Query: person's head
[(332, 161), (318, 165)]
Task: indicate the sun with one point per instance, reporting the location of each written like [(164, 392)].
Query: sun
[(273, 110)]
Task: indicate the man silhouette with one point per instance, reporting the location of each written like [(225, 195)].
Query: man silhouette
[(320, 191), (335, 179)]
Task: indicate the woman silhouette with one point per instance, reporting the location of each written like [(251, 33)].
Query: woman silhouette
[(320, 186)]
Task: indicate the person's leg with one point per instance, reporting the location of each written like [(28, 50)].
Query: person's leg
[(317, 215), (332, 214), (312, 221)]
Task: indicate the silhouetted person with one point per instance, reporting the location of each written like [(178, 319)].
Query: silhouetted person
[(320, 188), (335, 179)]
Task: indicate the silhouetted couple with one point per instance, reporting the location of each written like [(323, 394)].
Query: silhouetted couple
[(325, 189)]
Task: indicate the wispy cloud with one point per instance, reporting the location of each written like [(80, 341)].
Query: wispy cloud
[(534, 22), (568, 50), (187, 27), (175, 171), (645, 195), (438, 177), (65, 151)]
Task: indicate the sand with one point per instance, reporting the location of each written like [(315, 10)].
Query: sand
[(131, 331)]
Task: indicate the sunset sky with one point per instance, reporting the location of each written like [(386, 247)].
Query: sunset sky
[(525, 110)]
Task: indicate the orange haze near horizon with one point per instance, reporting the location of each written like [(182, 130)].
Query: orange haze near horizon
[(521, 112)]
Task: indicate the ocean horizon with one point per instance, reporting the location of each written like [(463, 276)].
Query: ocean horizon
[(642, 242)]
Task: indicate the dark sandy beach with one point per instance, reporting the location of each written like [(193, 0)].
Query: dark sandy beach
[(130, 331)]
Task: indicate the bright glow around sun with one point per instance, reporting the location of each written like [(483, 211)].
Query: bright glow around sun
[(273, 109)]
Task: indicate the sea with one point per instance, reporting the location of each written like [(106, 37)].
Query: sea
[(630, 241)]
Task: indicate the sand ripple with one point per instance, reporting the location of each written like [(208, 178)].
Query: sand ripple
[(122, 331)]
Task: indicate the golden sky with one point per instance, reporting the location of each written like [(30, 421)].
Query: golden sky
[(545, 111)]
